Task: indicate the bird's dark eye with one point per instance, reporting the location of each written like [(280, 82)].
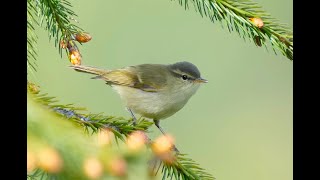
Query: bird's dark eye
[(184, 77)]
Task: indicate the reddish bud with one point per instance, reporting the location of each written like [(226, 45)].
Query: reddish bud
[(162, 147), (93, 168), (75, 57), (50, 160), (63, 44), (136, 141), (31, 161), (257, 22), (118, 166), (83, 37)]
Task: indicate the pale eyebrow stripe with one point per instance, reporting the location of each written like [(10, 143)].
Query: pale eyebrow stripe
[(178, 73)]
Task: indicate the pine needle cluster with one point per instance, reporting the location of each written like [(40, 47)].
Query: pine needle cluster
[(249, 20)]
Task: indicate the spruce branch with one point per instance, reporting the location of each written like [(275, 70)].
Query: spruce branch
[(249, 20), (90, 122), (31, 37), (38, 174), (58, 149), (57, 16), (181, 168), (185, 168)]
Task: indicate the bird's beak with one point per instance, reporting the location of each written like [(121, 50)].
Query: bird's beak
[(201, 80)]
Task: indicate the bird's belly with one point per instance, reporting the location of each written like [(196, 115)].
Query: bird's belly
[(154, 105)]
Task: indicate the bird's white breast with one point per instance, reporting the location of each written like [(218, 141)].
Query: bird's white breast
[(155, 105)]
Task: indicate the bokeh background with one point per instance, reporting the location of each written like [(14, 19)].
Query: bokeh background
[(237, 126)]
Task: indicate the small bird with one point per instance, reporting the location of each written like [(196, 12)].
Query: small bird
[(155, 91)]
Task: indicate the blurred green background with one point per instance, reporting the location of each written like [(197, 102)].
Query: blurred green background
[(237, 126)]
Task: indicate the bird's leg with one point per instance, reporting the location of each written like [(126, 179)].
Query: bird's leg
[(133, 117), (156, 122)]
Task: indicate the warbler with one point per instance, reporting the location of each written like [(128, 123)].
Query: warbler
[(155, 91)]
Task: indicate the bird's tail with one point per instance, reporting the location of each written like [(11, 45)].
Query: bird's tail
[(89, 69)]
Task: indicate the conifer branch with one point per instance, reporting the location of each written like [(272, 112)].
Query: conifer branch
[(57, 16), (31, 37), (248, 20), (180, 168), (59, 150), (185, 168)]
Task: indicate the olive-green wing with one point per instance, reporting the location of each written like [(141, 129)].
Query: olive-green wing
[(147, 77), (152, 75), (131, 77)]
